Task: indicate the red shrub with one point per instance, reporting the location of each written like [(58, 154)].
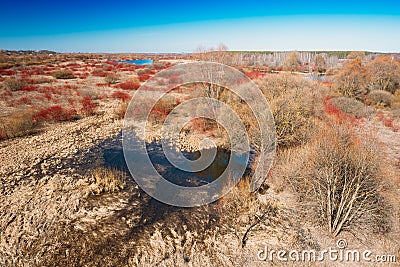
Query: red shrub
[(29, 88), (4, 95), (73, 65), (49, 90), (388, 122), (144, 77), (102, 84), (47, 96), (24, 101), (7, 72), (88, 106), (341, 117), (255, 74), (70, 86), (84, 75), (129, 85), (100, 73), (331, 109), (121, 95), (54, 113)]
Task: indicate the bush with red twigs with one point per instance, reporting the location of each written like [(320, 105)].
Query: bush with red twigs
[(255, 74), (29, 88), (54, 114), (88, 106), (24, 101), (144, 77), (123, 96), (129, 85)]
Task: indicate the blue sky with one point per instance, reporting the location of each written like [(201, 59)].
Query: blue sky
[(182, 26)]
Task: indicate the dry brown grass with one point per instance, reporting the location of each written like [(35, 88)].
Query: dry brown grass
[(63, 74), (121, 110), (17, 124), (380, 98), (13, 84), (111, 79), (107, 180)]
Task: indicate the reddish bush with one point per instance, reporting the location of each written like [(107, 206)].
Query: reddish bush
[(121, 95), (388, 122), (341, 117), (100, 73), (70, 86), (47, 96), (83, 75), (2, 135), (204, 125), (102, 84), (144, 77), (129, 85), (255, 74), (29, 88), (73, 65), (54, 113), (4, 95), (161, 110), (88, 106), (330, 108), (7, 72), (24, 101)]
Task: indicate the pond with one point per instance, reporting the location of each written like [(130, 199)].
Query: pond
[(114, 157), (137, 61)]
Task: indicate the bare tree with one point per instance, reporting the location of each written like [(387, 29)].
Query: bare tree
[(320, 64), (384, 73), (212, 90), (293, 61)]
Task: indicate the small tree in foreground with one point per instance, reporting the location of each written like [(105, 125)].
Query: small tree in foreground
[(340, 181)]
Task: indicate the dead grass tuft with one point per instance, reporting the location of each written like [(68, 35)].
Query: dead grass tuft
[(17, 124), (380, 98), (107, 180), (13, 84)]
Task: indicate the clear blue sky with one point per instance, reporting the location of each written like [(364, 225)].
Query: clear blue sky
[(182, 26)]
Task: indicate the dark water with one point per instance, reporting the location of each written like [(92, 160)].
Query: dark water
[(138, 61), (114, 157)]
